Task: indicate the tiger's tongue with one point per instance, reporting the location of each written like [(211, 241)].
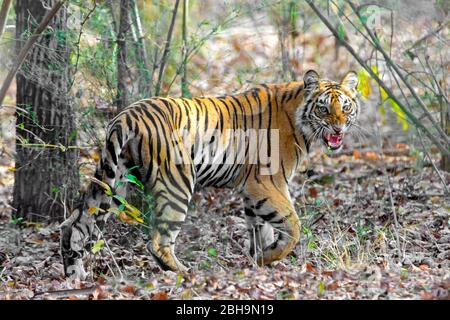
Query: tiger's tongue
[(334, 139)]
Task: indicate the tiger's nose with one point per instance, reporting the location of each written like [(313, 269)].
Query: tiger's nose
[(337, 130)]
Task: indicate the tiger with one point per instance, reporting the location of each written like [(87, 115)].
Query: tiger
[(176, 146)]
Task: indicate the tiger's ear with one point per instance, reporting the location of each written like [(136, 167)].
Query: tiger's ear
[(311, 80), (350, 81)]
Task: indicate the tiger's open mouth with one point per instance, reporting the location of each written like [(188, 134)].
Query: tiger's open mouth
[(333, 141)]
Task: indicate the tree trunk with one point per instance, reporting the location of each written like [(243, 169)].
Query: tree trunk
[(124, 26), (46, 176)]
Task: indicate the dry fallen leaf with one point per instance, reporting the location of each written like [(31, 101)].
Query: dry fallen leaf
[(401, 146), (186, 294), (426, 296), (332, 286), (310, 267), (313, 192), (129, 289), (371, 155), (99, 294), (162, 295)]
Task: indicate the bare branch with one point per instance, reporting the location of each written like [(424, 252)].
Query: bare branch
[(4, 14), (162, 66), (27, 46)]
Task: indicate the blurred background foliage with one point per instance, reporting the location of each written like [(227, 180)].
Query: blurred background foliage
[(220, 47)]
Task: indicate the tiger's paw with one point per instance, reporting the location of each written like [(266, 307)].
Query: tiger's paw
[(76, 271), (166, 259)]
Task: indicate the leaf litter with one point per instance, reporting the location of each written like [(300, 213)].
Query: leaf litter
[(347, 251)]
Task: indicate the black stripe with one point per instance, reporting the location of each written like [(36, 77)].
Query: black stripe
[(269, 216), (260, 203), (112, 151), (249, 212)]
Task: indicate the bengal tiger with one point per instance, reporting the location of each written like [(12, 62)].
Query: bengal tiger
[(176, 145)]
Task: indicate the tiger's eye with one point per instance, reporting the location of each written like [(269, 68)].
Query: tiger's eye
[(323, 109), (346, 107)]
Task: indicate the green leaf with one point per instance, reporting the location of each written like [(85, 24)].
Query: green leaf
[(212, 252), (294, 260), (204, 265), (72, 135), (118, 184), (364, 83), (341, 32), (120, 198), (401, 117), (179, 279), (320, 288), (311, 245), (98, 246), (133, 179), (329, 151)]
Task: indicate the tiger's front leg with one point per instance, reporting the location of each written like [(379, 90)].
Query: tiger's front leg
[(173, 191), (261, 233), (274, 207)]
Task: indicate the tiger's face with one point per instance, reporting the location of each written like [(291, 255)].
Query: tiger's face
[(329, 109)]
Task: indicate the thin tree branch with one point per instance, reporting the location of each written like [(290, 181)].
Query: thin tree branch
[(184, 83), (27, 46), (162, 66), (86, 18), (4, 14), (145, 81), (425, 37)]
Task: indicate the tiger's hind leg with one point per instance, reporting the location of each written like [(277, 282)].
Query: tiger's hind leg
[(172, 191), (273, 206), (84, 226)]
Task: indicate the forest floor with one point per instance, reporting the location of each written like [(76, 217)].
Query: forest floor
[(375, 225)]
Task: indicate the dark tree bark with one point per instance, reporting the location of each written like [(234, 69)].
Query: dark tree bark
[(124, 26), (46, 176)]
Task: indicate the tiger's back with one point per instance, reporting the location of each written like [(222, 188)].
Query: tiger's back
[(217, 136)]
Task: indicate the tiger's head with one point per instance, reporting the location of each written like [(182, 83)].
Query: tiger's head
[(329, 109)]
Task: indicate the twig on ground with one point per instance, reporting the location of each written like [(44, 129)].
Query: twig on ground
[(67, 293), (110, 252)]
